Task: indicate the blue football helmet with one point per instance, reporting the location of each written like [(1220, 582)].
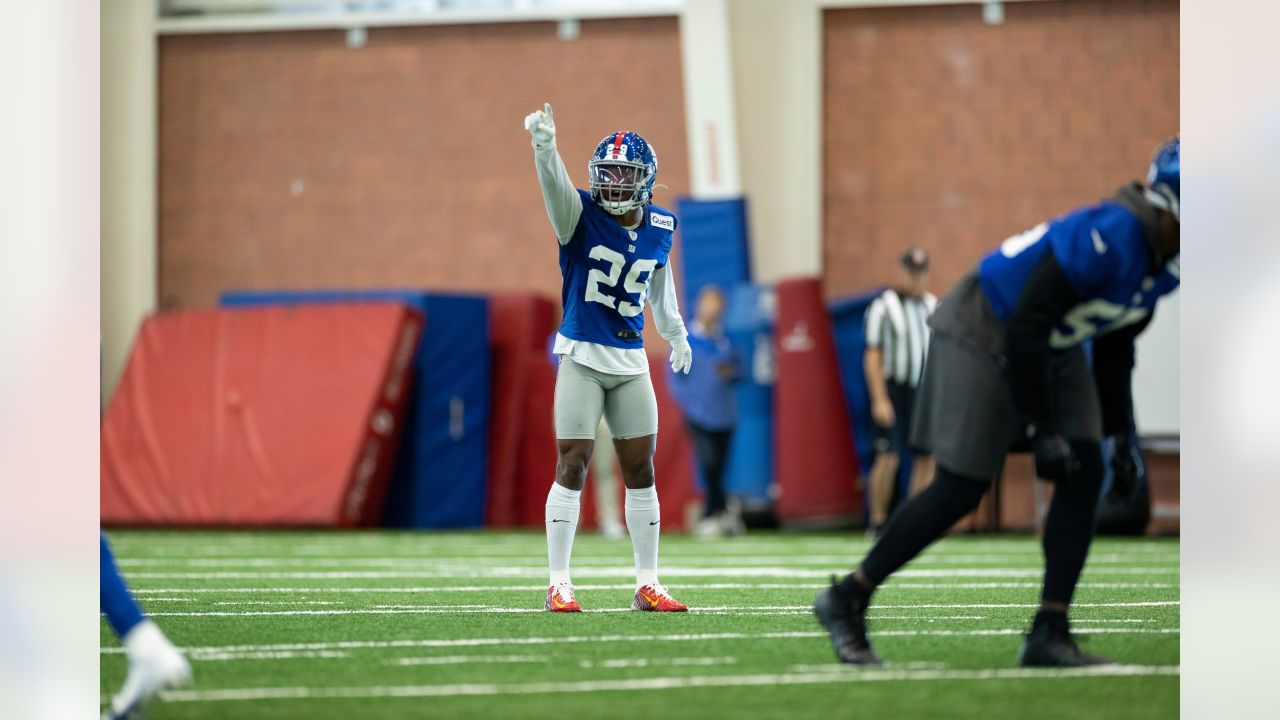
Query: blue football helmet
[(1163, 179), (621, 172)]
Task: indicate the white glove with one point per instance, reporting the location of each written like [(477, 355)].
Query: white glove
[(681, 356), (541, 126)]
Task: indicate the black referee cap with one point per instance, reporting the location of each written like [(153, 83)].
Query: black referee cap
[(915, 259)]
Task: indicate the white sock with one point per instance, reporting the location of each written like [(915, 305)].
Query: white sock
[(643, 522), (562, 523)]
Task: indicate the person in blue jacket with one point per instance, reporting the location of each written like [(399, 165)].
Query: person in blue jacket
[(1006, 364), (706, 398)]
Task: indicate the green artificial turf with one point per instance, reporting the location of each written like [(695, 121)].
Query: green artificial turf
[(419, 625)]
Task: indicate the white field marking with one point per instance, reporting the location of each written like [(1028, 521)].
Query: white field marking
[(467, 659), (843, 668), (383, 540), (272, 655), (660, 683), (457, 562), (1138, 603), (434, 607), (574, 639), (795, 610), (646, 662), (630, 586), (484, 642), (726, 609), (529, 571), (273, 602), (466, 610)]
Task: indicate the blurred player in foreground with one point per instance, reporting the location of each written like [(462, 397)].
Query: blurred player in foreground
[(154, 663), (1005, 358), (614, 249)]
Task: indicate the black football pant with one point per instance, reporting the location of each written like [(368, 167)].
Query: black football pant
[(1068, 529), (712, 449)]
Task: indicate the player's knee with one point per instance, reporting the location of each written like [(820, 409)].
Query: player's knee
[(571, 467), (1089, 470), (637, 472)]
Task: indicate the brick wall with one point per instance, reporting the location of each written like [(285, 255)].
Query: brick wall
[(947, 132), (288, 160)]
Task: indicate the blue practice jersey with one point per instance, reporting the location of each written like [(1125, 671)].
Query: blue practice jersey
[(1103, 255), (606, 271)]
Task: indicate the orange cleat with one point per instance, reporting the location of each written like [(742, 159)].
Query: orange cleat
[(560, 599), (654, 598)]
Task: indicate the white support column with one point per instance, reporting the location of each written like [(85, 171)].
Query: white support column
[(710, 112), (777, 62), (129, 243)]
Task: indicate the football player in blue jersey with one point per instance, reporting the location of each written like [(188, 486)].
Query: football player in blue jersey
[(615, 248), (1006, 359)]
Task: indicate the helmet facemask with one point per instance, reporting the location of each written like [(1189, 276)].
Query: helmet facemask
[(619, 186)]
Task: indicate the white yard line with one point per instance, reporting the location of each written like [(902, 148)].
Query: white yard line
[(484, 642), (620, 571), (480, 543), (893, 585), (575, 639), (725, 609), (271, 602), (467, 659), (274, 655), (618, 663), (660, 683), (459, 561)]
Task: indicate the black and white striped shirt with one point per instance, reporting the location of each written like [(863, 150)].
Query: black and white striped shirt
[(898, 325)]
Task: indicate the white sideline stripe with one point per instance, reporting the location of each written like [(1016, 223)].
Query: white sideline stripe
[(727, 609), (467, 659), (660, 683), (630, 586), (573, 639), (529, 571)]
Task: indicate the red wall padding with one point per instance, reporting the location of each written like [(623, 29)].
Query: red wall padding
[(272, 416), (537, 468), (815, 462), (519, 325), (673, 465)]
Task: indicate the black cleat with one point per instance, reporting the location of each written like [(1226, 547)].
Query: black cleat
[(845, 620), (1050, 644)]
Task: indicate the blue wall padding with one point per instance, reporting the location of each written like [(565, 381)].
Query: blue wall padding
[(848, 321), (749, 322), (439, 478), (713, 245)]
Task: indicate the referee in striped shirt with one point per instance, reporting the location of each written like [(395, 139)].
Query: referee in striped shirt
[(897, 335)]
